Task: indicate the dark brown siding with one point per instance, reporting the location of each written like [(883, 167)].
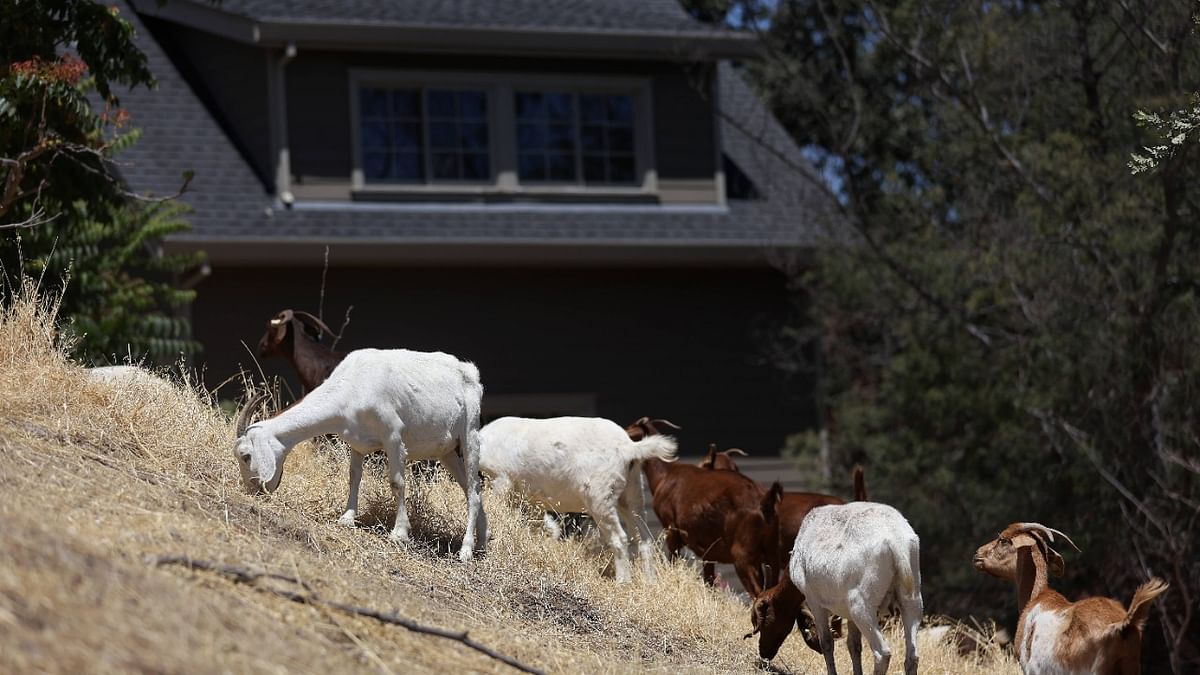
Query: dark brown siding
[(231, 79), (318, 89), (666, 343)]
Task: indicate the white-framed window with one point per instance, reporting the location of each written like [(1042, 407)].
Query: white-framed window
[(500, 132)]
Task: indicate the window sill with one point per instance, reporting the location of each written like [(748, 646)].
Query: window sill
[(492, 195)]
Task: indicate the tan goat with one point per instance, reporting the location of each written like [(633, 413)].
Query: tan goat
[(1095, 635)]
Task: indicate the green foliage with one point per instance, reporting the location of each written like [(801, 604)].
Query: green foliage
[(52, 54), (1012, 334), (62, 210), (121, 298), (1177, 129)]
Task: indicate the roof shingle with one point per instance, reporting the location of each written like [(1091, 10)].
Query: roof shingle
[(604, 15)]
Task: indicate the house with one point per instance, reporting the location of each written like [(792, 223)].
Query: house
[(581, 196)]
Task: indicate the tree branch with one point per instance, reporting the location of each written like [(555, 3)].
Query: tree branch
[(246, 576)]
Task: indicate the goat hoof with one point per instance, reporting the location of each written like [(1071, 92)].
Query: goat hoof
[(347, 519), (399, 538), (466, 555)]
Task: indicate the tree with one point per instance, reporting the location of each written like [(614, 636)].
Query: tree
[(1009, 334), (57, 57), (52, 142)]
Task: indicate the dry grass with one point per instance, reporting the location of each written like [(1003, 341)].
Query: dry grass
[(96, 482)]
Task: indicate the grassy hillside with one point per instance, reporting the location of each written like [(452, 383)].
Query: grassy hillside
[(99, 483)]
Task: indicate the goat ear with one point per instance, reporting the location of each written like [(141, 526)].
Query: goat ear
[(1024, 540), (770, 501), (264, 466), (1054, 563)]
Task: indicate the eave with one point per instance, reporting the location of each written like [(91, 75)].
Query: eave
[(301, 252), (391, 37)]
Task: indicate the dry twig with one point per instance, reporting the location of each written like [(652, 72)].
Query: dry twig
[(247, 576)]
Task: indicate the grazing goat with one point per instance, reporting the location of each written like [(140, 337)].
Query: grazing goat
[(725, 517), (578, 464), (412, 404), (790, 609), (1094, 635), (721, 461), (296, 336), (851, 560)]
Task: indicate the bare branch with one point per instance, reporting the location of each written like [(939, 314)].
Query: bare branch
[(246, 576)]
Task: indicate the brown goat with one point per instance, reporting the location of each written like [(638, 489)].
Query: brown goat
[(1094, 635), (722, 516), (296, 336), (725, 517)]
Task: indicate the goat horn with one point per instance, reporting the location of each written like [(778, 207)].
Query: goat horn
[(668, 423), (243, 419), (735, 451), (282, 318), (312, 320), (1049, 532)]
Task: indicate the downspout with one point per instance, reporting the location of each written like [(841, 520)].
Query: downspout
[(279, 126)]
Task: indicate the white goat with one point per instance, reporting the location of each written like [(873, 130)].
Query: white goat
[(416, 405), (850, 560), (578, 464), (134, 377)]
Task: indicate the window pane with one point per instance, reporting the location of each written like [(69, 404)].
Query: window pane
[(561, 167), (472, 104), (441, 103), (620, 139), (443, 135), (592, 108), (406, 103), (475, 166), (407, 136), (620, 170), (445, 165), (373, 102), (560, 107), (620, 109), (409, 166), (473, 136), (376, 166), (559, 137), (529, 106), (532, 167), (530, 137), (374, 135), (593, 168), (591, 137)]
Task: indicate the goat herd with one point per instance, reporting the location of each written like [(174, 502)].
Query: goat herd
[(851, 560)]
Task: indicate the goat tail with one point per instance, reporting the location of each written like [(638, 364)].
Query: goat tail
[(652, 447), (1139, 607), (860, 485), (906, 556), (469, 437)]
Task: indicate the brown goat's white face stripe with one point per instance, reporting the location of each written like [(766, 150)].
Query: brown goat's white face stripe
[(276, 322)]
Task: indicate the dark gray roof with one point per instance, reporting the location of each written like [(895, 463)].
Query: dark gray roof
[(231, 204), (614, 15)]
